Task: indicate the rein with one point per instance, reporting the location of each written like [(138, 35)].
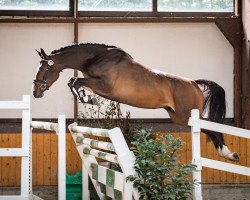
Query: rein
[(43, 83)]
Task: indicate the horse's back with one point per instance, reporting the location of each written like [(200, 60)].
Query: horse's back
[(138, 86)]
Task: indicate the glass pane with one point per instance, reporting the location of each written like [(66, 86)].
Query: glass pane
[(196, 5), (34, 4), (115, 5)]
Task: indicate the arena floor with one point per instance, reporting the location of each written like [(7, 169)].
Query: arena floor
[(210, 192)]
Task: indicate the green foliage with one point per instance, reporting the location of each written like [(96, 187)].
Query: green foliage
[(160, 176)]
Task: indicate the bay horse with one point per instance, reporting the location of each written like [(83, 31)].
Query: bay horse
[(113, 74)]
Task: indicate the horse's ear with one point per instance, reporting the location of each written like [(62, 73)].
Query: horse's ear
[(45, 56), (40, 54)]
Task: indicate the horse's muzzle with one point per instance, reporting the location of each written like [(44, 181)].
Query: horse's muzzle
[(38, 95)]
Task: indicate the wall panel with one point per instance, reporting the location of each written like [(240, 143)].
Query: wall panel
[(45, 159)]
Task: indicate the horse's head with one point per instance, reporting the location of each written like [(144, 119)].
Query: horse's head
[(46, 75)]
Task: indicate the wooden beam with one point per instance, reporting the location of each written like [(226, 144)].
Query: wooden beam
[(75, 41), (232, 30)]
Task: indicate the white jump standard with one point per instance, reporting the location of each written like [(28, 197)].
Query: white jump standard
[(107, 182), (25, 152), (196, 125)]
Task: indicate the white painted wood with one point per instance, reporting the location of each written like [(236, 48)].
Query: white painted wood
[(26, 174), (86, 161), (119, 178), (196, 155), (85, 183), (128, 191), (50, 126), (108, 156), (14, 152), (225, 129), (126, 158), (220, 128), (85, 130), (61, 157), (198, 124), (223, 166), (14, 105), (100, 145), (24, 152)]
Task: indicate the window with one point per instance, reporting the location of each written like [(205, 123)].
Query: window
[(155, 8), (196, 5), (34, 5), (119, 8), (115, 5)]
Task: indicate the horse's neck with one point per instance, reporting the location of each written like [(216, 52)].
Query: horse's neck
[(75, 59)]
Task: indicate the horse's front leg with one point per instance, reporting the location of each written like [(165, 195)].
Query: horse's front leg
[(79, 92), (71, 85)]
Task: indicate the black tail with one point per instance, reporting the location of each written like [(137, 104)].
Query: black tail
[(214, 97)]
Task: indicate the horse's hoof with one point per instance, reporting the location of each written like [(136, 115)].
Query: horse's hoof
[(236, 157), (72, 82), (94, 102), (233, 156)]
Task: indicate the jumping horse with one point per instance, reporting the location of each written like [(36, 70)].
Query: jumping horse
[(113, 74)]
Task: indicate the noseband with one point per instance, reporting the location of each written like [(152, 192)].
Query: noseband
[(43, 83)]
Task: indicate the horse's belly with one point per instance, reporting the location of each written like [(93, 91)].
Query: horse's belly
[(143, 97)]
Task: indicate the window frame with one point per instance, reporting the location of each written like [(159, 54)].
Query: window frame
[(125, 14), (40, 13), (155, 13)]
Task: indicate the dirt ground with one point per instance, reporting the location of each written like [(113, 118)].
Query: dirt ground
[(210, 192)]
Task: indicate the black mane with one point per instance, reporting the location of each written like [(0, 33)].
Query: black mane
[(82, 45)]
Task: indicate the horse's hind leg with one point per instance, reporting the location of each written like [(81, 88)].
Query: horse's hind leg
[(219, 143), (216, 137)]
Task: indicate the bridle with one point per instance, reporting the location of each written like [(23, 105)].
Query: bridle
[(42, 84)]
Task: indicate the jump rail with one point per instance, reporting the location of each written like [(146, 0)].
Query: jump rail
[(60, 130), (107, 182), (196, 124)]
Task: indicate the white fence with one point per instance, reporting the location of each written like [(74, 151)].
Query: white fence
[(196, 125), (25, 152), (60, 130), (114, 183)]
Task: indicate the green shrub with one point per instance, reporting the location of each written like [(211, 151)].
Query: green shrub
[(160, 176)]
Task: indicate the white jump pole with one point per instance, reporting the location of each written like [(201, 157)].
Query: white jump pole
[(196, 154)]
